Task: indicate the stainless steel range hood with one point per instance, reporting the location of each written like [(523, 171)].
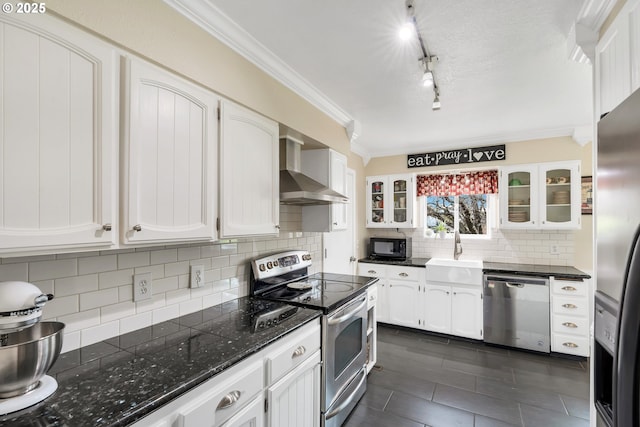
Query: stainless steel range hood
[(297, 188)]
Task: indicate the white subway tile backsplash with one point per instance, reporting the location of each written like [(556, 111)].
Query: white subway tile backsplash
[(136, 259), (61, 306), (157, 271), (210, 251), (228, 248), (176, 268), (165, 313), (98, 333), (164, 256), (125, 293), (156, 301), (82, 320), (161, 286), (188, 253), (174, 297), (70, 341), (41, 270), (228, 272), (76, 285), (97, 264), (46, 286), (89, 300), (190, 306), (131, 323), (14, 272), (117, 311), (113, 279), (211, 300)]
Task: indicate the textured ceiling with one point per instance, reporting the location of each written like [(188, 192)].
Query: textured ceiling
[(503, 71)]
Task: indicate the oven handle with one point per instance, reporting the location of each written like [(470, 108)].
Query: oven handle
[(346, 403), (347, 316)]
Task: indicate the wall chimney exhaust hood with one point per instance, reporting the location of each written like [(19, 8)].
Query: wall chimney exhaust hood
[(297, 188)]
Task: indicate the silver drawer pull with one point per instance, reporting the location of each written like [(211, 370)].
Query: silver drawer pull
[(137, 227), (571, 306), (371, 298), (570, 325), (299, 352), (570, 344), (229, 400), (403, 274), (372, 272), (106, 227), (569, 288)]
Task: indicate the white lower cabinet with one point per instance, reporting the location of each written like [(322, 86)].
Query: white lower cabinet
[(251, 416), (436, 315), (402, 302), (454, 310), (278, 386), (570, 318), (294, 401)]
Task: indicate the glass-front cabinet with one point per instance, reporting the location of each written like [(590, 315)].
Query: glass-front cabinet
[(540, 195), (390, 201)]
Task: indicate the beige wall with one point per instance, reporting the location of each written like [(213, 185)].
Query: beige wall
[(534, 151)]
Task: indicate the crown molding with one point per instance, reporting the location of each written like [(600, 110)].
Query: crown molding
[(584, 33), (215, 22)]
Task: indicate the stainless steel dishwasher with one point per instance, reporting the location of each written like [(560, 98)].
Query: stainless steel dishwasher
[(516, 311)]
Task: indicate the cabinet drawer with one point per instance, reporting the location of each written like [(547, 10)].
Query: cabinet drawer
[(571, 306), (573, 325), (372, 270), (403, 273), (567, 287), (372, 296), (570, 344), (292, 351), (217, 405)]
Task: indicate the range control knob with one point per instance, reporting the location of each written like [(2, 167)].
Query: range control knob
[(262, 267), (261, 325), (275, 263), (269, 265)]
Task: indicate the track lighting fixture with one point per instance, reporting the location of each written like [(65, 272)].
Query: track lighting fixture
[(427, 61)]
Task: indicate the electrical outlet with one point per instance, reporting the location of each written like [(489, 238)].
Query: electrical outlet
[(142, 289), (197, 276), (554, 250)]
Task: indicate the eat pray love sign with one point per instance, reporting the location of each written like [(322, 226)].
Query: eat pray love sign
[(456, 157)]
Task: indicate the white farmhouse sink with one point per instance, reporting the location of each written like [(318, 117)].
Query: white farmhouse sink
[(462, 271)]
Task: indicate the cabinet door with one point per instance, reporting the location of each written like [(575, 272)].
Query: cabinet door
[(402, 197), (613, 81), (339, 184), (437, 308), (559, 195), (376, 215), (251, 415), (402, 300), (466, 312), (249, 173), (172, 142), (294, 401), (58, 138), (518, 201)]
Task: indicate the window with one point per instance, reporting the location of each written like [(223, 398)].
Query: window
[(468, 214)]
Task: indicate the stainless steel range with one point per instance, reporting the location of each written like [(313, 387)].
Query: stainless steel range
[(284, 277)]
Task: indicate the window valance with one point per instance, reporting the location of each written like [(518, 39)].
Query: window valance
[(484, 182)]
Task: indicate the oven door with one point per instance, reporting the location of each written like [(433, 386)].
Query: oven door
[(344, 347)]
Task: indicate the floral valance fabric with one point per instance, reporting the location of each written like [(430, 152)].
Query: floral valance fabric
[(485, 182)]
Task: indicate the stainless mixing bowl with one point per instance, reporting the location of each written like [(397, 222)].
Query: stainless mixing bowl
[(27, 355)]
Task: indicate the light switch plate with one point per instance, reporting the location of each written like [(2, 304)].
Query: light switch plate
[(197, 276), (142, 288)]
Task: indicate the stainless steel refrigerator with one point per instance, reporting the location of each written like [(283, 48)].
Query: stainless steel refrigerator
[(617, 304)]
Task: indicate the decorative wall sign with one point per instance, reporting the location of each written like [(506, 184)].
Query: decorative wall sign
[(457, 157)]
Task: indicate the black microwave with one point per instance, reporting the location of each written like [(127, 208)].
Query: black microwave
[(386, 247)]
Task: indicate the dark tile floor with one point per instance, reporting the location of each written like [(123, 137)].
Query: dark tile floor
[(425, 380)]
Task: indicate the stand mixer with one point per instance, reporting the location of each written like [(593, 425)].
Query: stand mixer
[(28, 347)]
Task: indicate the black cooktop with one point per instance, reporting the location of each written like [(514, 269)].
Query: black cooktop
[(321, 291)]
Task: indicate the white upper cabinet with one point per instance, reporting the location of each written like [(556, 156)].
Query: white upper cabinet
[(58, 144), (391, 201), (249, 173), (328, 167), (540, 196), (617, 65), (170, 150)]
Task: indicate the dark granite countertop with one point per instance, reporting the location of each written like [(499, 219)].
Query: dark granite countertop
[(535, 270), (410, 262), (118, 381)]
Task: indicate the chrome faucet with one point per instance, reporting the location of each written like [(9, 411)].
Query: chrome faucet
[(457, 245)]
